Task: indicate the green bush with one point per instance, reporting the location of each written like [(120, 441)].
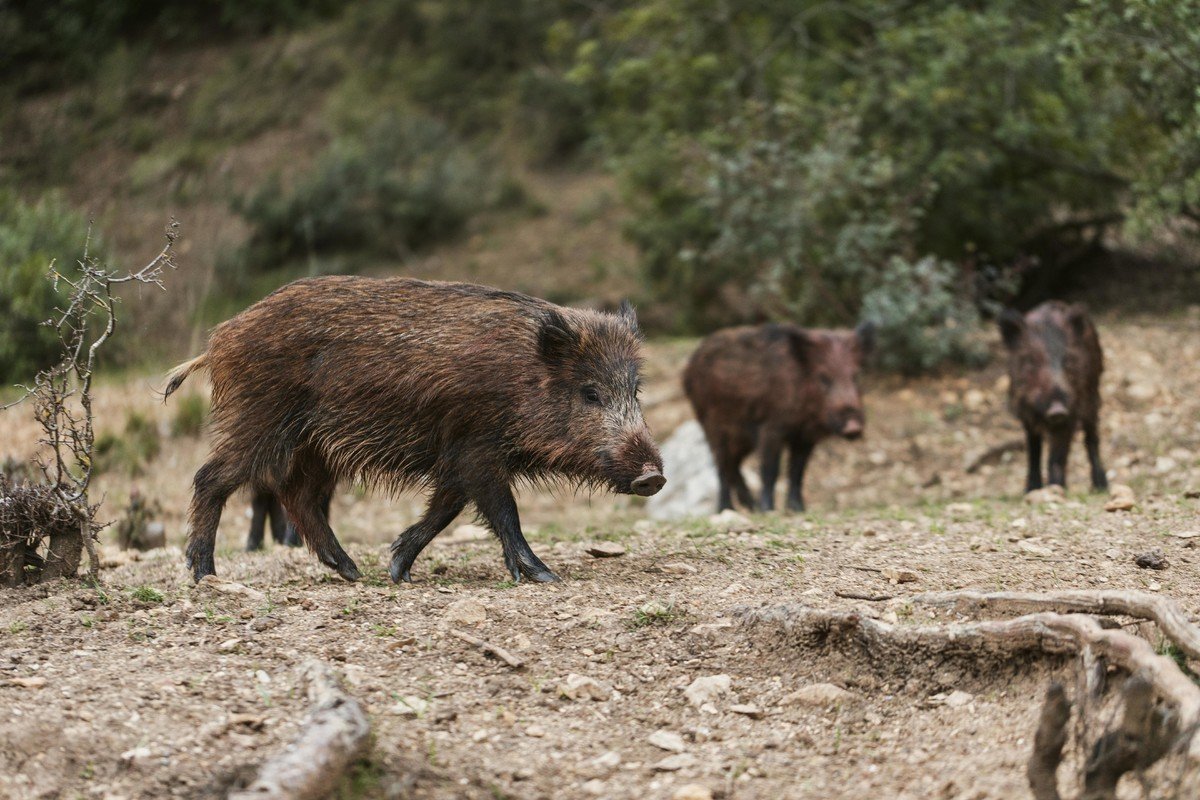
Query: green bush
[(402, 185), (190, 411), (32, 236), (131, 451)]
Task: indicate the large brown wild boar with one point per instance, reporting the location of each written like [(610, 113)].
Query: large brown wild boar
[(1054, 366), (770, 387), (396, 383)]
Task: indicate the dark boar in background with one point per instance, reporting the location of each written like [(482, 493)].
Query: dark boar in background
[(1054, 366), (397, 383), (771, 387), (265, 507)]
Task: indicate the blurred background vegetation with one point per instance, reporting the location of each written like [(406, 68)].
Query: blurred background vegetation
[(920, 164)]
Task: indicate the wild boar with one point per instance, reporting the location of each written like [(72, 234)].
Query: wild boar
[(398, 383), (770, 387), (1054, 368)]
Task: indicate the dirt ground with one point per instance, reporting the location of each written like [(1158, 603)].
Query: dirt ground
[(185, 695)]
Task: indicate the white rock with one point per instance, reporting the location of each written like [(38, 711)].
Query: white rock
[(1047, 495), (581, 687), (535, 731), (1120, 498), (594, 787), (678, 568), (676, 762), (667, 740), (895, 575), (222, 586), (605, 550), (691, 488), (1033, 548), (467, 611), (959, 698), (818, 694), (607, 761), (730, 521), (1164, 464), (693, 791), (747, 710), (708, 689)]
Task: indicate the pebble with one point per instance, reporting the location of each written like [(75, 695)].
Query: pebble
[(1152, 559), (667, 740), (581, 687), (1047, 495), (678, 568), (895, 575), (535, 731), (708, 689), (1120, 498), (410, 706), (467, 611), (730, 521), (675, 763), (595, 787), (693, 791), (818, 694), (605, 550), (746, 709), (959, 698)]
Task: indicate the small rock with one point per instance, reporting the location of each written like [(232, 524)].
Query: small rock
[(1120, 498), (1152, 559), (1047, 495), (667, 740), (708, 689), (605, 550), (960, 509), (1033, 548), (693, 791), (1184, 534), (818, 694), (467, 611), (594, 787), (959, 698), (136, 757), (1141, 392), (262, 677), (581, 687), (607, 761), (1165, 464), (878, 458), (678, 568), (746, 709), (710, 629), (535, 731), (410, 706), (36, 682), (468, 532), (730, 521), (675, 763), (229, 645), (895, 575), (733, 588), (221, 586), (973, 399)]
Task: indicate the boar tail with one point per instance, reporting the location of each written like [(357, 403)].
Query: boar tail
[(177, 376)]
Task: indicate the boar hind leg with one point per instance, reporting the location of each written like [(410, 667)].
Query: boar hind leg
[(302, 495), (1033, 450), (259, 506), (287, 535), (797, 462), (444, 505), (770, 453), (498, 508), (211, 487), (1060, 448), (1091, 438), (279, 521)]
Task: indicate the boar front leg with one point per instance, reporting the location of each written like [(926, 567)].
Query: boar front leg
[(1091, 438), (1033, 450), (1060, 448), (499, 509), (798, 456), (445, 504)]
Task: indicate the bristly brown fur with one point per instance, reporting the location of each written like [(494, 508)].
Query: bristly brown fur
[(398, 383), (771, 387)]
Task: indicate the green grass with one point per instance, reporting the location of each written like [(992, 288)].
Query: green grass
[(147, 594)]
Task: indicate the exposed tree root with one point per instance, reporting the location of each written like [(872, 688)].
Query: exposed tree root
[(1163, 611), (1148, 730), (334, 737)]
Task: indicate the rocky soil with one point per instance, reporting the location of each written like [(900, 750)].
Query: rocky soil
[(638, 677)]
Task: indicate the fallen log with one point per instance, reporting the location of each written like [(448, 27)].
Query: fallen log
[(333, 738), (1162, 611)]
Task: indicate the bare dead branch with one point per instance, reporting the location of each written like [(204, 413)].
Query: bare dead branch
[(1048, 744), (333, 738), (488, 647)]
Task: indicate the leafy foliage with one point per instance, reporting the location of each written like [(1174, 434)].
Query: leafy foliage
[(32, 236), (402, 184)]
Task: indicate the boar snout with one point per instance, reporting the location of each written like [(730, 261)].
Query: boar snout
[(649, 482), (1057, 413), (852, 429)]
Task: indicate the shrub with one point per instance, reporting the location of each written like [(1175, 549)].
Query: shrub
[(32, 236), (403, 184), (190, 411), (132, 450)]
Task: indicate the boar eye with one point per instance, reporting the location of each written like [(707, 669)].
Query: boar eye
[(826, 382), (591, 395)]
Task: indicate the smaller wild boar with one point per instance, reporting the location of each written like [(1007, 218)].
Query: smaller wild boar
[(773, 386), (264, 506), (1054, 366)]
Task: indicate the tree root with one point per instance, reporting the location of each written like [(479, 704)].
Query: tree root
[(334, 737), (1163, 611), (1148, 730)]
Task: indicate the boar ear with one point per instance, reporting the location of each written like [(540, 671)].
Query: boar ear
[(1012, 325), (627, 314), (802, 344), (865, 333), (1077, 318), (556, 338)]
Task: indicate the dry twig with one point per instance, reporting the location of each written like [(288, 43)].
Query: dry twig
[(487, 647)]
